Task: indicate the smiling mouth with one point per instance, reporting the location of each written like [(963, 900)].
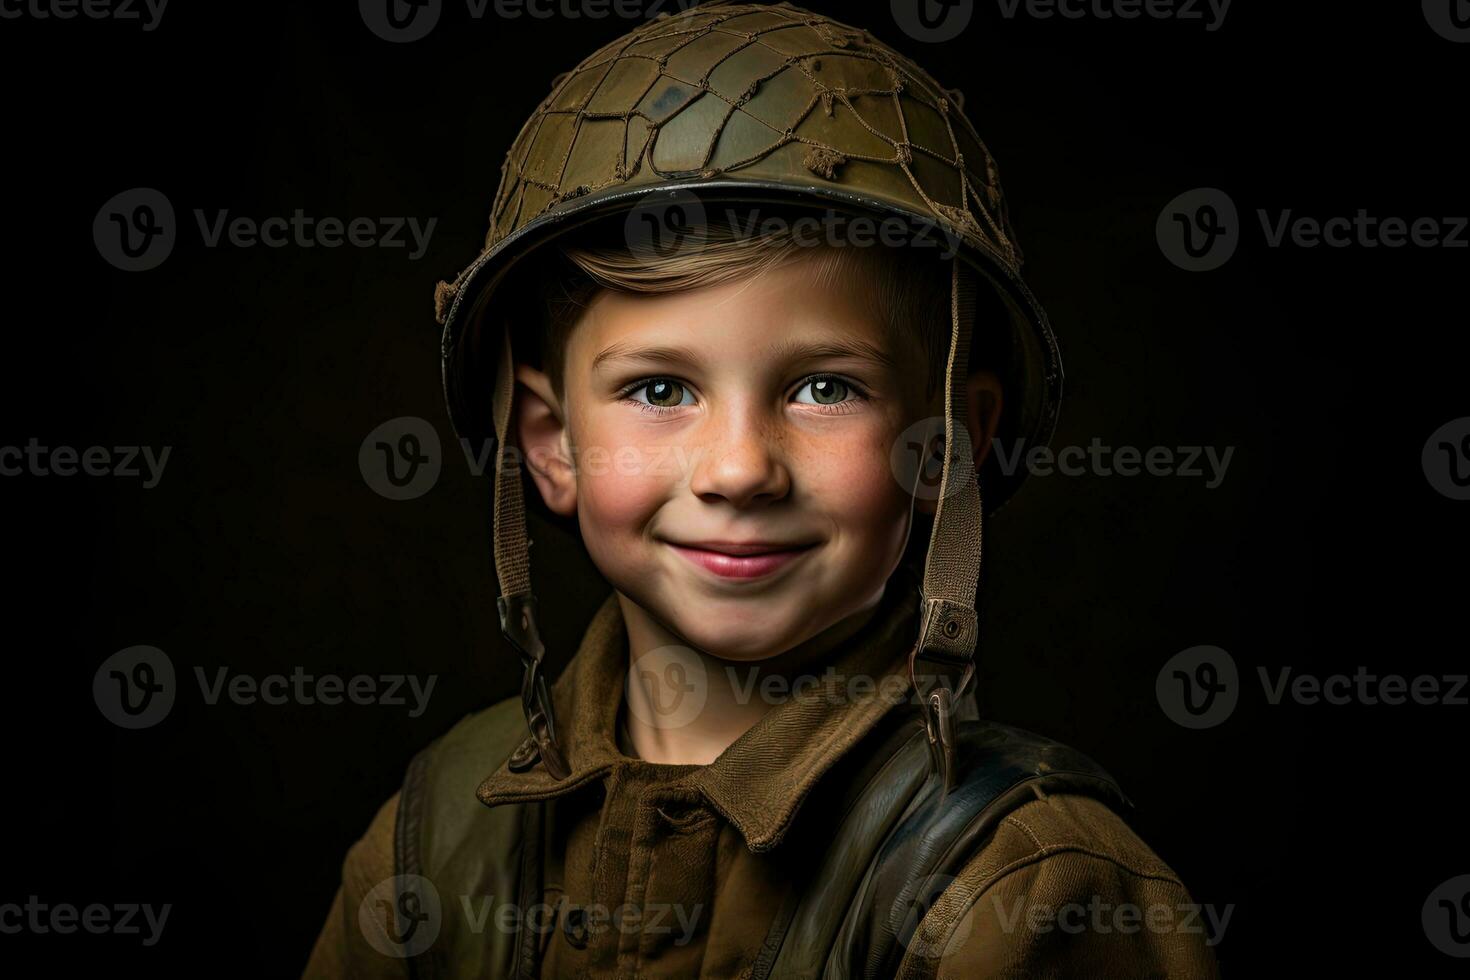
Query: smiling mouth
[(751, 559)]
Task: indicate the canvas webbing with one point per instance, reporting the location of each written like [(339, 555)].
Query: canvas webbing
[(512, 549), (941, 665), (517, 604)]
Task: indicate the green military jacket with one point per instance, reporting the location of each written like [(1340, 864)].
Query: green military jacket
[(651, 871)]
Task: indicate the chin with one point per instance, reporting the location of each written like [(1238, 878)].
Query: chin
[(741, 630), (729, 632), (728, 622)]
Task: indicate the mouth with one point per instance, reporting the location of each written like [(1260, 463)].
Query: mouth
[(742, 559)]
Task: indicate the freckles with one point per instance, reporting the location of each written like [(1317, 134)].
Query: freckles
[(854, 479), (618, 486)]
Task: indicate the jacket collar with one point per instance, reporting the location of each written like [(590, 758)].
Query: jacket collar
[(760, 781)]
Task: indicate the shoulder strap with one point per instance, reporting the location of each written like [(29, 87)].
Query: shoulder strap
[(468, 851), (899, 842), (1002, 768), (407, 855), (878, 777)]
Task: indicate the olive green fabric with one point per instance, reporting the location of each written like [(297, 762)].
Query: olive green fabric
[(768, 91), (461, 848), (708, 850)]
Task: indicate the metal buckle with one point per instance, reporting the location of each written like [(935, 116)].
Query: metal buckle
[(518, 623), (938, 703)]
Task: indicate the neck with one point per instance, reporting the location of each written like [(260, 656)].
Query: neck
[(684, 706)]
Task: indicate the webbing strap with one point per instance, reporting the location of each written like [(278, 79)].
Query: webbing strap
[(942, 663), (517, 604), (512, 549)]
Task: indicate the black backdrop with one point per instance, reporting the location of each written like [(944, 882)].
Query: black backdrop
[(262, 549)]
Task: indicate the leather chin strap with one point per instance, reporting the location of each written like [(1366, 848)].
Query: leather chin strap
[(942, 662)]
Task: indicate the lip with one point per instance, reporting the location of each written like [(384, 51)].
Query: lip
[(741, 559)]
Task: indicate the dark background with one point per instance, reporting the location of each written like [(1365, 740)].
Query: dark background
[(263, 549)]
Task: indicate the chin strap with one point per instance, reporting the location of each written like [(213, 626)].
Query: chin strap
[(516, 603), (942, 662)]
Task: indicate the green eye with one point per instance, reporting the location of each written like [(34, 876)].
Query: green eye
[(824, 391), (662, 393)]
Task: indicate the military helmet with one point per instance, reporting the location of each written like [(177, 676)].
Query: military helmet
[(749, 103)]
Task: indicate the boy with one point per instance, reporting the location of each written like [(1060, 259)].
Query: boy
[(763, 760)]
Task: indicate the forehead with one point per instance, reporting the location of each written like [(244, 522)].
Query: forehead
[(776, 315)]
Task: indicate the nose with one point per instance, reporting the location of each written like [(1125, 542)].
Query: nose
[(741, 462)]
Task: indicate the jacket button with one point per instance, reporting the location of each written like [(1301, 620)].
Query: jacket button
[(574, 927)]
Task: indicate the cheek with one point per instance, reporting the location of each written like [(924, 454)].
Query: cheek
[(621, 482), (852, 481), (613, 503)]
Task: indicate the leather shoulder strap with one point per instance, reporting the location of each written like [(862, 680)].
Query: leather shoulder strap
[(469, 853), (874, 782), (1002, 768), (898, 844)]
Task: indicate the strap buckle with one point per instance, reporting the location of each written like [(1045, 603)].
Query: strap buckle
[(518, 623), (946, 641)]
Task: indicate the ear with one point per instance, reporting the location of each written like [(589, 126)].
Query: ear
[(540, 432), (983, 402)]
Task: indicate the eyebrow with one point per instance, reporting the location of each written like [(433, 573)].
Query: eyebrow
[(797, 350), (628, 352)]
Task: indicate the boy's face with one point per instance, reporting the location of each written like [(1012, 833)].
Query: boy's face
[(732, 447)]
